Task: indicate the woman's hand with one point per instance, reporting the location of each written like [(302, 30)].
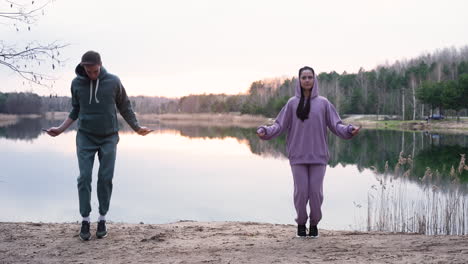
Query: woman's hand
[(356, 130), (261, 132)]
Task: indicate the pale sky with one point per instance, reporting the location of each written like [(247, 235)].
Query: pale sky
[(180, 47)]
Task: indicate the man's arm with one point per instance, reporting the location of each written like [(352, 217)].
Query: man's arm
[(55, 131), (125, 108)]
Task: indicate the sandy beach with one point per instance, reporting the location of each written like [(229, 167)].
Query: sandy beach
[(220, 242)]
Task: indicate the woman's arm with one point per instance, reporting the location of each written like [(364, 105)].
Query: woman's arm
[(335, 124), (282, 123)]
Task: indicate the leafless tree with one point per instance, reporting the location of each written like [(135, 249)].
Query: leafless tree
[(32, 60)]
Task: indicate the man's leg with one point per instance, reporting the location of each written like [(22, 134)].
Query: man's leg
[(86, 150), (107, 154)]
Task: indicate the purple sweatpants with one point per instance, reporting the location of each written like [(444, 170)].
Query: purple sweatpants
[(308, 187)]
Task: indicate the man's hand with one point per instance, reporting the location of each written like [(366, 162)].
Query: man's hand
[(356, 130), (143, 131), (53, 131)]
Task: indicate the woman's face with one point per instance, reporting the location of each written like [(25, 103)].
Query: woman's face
[(307, 79)]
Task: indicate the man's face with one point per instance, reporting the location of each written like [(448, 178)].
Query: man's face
[(92, 71)]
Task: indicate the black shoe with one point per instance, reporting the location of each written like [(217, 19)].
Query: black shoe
[(301, 231), (101, 229), (313, 231), (84, 232)]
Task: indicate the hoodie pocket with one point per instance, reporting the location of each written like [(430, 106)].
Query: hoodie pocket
[(99, 124)]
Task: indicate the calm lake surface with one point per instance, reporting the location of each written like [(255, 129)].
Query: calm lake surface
[(381, 180)]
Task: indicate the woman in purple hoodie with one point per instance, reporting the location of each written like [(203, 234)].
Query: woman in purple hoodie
[(305, 119)]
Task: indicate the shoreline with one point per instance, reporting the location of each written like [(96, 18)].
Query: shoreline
[(206, 119), (249, 121), (202, 119), (220, 242), (7, 120), (450, 126)]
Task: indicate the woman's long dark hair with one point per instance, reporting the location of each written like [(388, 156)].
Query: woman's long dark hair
[(302, 111)]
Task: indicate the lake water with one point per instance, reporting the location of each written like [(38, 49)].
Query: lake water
[(188, 172)]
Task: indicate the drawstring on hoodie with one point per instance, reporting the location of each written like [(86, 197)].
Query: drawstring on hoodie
[(95, 91)]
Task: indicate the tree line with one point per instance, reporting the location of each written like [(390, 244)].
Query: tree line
[(411, 89), (449, 94), (31, 103)]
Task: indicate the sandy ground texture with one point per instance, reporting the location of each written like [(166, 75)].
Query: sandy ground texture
[(220, 242)]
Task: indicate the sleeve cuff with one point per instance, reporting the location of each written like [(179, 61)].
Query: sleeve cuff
[(135, 127), (260, 129), (73, 116)]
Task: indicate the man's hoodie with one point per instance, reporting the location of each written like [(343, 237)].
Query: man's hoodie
[(94, 103), (307, 140)]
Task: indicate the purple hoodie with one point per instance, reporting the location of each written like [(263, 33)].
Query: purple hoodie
[(307, 141)]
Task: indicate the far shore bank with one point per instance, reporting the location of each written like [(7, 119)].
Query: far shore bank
[(201, 119), (6, 120), (449, 125)]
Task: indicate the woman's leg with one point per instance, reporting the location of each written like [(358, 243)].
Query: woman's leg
[(315, 195), (301, 194)]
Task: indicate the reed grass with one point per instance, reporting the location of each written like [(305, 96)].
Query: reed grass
[(397, 206)]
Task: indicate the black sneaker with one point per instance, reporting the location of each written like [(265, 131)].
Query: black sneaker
[(313, 231), (101, 229), (84, 232), (301, 231)]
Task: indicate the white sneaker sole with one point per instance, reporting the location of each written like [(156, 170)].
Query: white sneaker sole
[(82, 239), (102, 236)]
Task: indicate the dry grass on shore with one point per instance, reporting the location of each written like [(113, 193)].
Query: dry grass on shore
[(6, 120), (206, 119)]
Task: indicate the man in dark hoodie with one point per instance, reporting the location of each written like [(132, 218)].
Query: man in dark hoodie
[(95, 96)]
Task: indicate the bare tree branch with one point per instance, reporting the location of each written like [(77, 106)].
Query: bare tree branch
[(33, 60), (24, 13)]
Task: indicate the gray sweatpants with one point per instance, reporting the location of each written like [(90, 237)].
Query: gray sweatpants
[(308, 187), (86, 147)]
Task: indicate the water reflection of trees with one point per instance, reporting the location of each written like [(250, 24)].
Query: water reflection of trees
[(27, 128), (248, 136), (378, 150)]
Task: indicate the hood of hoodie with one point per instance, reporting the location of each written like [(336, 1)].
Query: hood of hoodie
[(82, 76), (315, 88), (81, 73)]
